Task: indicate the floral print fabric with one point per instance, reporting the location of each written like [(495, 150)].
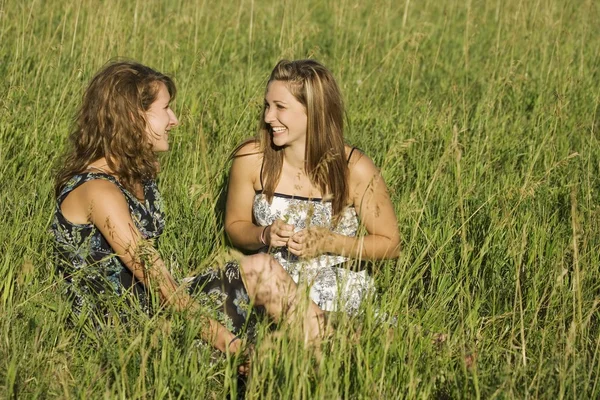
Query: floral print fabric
[(332, 287), (100, 285), (221, 292), (91, 269)]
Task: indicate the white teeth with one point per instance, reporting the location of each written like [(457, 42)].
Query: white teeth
[(278, 129)]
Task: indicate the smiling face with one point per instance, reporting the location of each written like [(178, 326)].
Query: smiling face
[(285, 115), (160, 119)]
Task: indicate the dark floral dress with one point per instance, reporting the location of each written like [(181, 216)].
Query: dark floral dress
[(100, 286)]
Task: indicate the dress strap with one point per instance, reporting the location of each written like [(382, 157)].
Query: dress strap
[(79, 179), (350, 155), (262, 164)]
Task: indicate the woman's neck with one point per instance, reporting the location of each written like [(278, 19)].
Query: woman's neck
[(101, 164), (294, 156)]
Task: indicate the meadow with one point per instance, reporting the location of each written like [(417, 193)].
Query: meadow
[(483, 116)]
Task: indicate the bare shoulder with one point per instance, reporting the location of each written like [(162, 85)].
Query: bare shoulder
[(93, 196), (103, 193), (247, 160), (361, 167), (248, 153), (248, 148), (365, 177), (351, 153), (101, 187)]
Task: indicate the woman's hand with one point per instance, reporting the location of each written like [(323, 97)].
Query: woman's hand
[(238, 349), (310, 242), (279, 233)]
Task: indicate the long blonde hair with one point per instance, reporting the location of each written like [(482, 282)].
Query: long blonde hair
[(111, 123), (325, 163)]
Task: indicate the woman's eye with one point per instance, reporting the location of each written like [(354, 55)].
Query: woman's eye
[(280, 107)]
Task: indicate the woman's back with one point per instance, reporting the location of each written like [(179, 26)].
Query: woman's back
[(84, 256)]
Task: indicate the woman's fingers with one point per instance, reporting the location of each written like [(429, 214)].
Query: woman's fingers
[(302, 243), (300, 236), (244, 368), (280, 233), (298, 242), (294, 248), (285, 231), (296, 253), (307, 242), (237, 346)]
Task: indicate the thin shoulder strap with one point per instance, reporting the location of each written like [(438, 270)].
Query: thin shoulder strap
[(350, 155), (262, 164)]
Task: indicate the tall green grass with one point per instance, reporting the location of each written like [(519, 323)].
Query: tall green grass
[(483, 116)]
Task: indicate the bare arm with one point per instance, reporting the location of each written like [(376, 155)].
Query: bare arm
[(109, 212), (240, 196), (376, 213), (374, 207)]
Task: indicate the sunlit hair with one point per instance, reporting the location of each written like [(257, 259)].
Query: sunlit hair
[(111, 123), (325, 163)]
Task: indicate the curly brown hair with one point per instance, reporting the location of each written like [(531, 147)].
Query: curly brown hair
[(111, 123)]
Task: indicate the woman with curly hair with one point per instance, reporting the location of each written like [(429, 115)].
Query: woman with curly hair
[(300, 190), (109, 217)]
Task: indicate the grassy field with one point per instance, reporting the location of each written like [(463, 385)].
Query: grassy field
[(483, 116)]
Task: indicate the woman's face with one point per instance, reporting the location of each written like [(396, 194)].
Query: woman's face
[(285, 115), (160, 119)]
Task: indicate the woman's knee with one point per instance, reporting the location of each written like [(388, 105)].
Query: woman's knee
[(255, 266), (263, 269)]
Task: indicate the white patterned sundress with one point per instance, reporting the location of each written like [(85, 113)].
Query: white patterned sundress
[(332, 286)]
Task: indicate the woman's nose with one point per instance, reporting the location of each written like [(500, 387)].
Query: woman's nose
[(268, 115), (174, 120)]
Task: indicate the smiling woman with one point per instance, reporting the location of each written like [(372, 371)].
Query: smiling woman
[(285, 115), (161, 119), (300, 191), (109, 217)]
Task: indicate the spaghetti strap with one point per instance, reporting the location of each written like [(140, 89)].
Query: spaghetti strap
[(262, 164), (350, 155)]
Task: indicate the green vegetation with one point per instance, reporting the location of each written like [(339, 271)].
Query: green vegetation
[(483, 116)]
